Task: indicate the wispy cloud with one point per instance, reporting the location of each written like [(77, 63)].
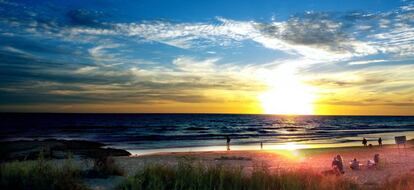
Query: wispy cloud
[(315, 35), (367, 62), (17, 51)]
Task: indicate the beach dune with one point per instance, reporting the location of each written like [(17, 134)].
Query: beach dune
[(394, 162)]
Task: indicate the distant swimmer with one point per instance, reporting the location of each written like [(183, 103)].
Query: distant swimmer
[(228, 142)]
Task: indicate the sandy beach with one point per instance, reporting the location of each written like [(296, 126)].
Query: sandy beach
[(394, 162), (101, 173)]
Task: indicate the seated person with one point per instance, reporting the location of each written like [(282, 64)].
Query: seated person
[(376, 159), (355, 164), (340, 163), (370, 163), (337, 165), (373, 163)]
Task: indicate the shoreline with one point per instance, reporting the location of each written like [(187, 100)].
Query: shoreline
[(388, 139), (25, 142), (306, 151)]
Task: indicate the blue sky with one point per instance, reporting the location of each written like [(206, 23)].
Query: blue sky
[(103, 55)]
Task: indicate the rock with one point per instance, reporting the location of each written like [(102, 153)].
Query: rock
[(56, 149)]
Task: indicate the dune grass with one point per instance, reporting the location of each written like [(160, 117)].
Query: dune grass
[(104, 167), (40, 175), (404, 182), (187, 174), (206, 177)]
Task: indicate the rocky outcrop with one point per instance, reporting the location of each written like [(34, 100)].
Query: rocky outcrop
[(56, 149)]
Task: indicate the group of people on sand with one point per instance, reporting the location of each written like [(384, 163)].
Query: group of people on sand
[(338, 165), (354, 164), (365, 142)]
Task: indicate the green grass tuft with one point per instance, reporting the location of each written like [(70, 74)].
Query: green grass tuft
[(40, 175), (405, 182), (219, 177), (104, 167)]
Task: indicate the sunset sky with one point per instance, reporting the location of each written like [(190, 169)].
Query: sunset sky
[(349, 57)]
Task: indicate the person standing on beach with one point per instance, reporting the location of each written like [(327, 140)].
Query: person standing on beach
[(261, 145), (228, 142), (379, 141), (364, 142)]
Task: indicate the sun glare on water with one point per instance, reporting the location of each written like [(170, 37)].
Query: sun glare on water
[(287, 95)]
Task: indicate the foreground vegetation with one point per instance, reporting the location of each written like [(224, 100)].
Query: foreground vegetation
[(405, 182), (190, 175), (40, 175), (44, 174), (199, 176)]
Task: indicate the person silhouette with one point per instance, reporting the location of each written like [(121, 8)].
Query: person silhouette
[(380, 141), (228, 142), (261, 145), (337, 165), (364, 141)]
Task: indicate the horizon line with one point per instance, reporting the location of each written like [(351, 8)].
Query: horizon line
[(207, 113)]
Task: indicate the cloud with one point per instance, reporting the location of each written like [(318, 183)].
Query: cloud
[(85, 70), (84, 56), (310, 29), (368, 103), (183, 35), (363, 62), (377, 85), (101, 52), (345, 82), (17, 51), (323, 36), (314, 35), (408, 8), (82, 17), (187, 81), (190, 65)]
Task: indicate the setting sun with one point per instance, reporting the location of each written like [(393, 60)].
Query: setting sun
[(287, 94)]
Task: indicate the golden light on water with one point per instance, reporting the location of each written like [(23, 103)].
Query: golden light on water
[(287, 94)]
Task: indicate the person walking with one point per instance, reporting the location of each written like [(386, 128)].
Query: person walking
[(364, 142), (379, 141), (228, 142)]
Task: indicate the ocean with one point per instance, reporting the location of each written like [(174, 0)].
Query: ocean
[(149, 133)]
